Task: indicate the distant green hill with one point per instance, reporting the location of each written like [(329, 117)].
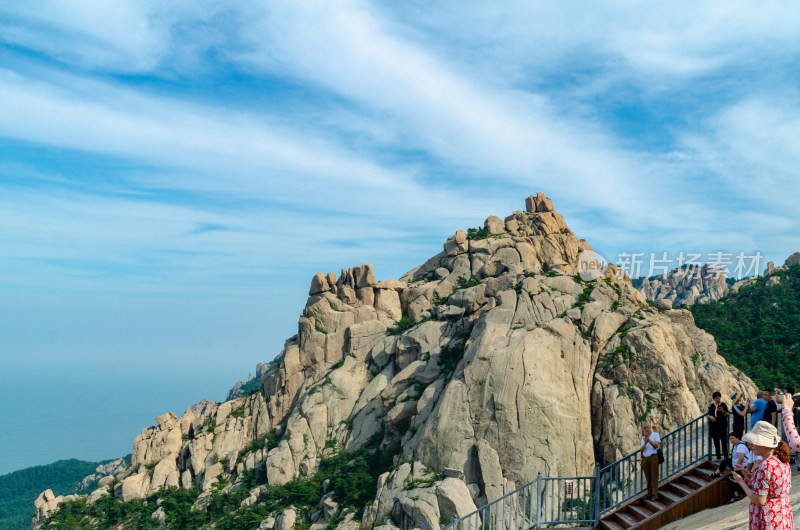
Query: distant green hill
[(758, 329), (19, 489)]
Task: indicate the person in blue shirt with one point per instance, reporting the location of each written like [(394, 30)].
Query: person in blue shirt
[(757, 408)]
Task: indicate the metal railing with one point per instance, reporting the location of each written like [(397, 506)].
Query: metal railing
[(549, 501), (623, 480), (546, 500), (566, 500)]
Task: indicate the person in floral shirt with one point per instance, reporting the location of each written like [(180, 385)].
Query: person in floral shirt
[(789, 427), (768, 485)]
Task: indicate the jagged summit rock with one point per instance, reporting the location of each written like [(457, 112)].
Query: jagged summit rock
[(253, 383), (686, 285), (793, 259), (493, 361)]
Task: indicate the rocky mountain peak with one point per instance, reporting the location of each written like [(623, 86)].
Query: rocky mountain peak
[(793, 259), (686, 285), (491, 362)]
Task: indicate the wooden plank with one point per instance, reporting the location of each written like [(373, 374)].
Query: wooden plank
[(681, 489), (669, 497), (639, 511), (627, 519), (610, 525), (705, 472), (654, 506), (695, 481)]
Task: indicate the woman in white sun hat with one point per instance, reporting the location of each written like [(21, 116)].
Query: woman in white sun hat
[(768, 486)]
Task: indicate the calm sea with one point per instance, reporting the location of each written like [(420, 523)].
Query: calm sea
[(92, 413)]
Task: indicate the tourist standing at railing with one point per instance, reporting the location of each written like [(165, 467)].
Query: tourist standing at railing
[(649, 449), (757, 408), (739, 412), (718, 424), (769, 485), (770, 414)]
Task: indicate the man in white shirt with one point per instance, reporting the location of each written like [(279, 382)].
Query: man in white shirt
[(740, 453), (739, 456), (651, 441)]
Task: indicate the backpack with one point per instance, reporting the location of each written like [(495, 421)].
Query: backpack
[(746, 454)]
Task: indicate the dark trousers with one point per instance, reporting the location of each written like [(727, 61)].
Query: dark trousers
[(738, 427), (650, 468), (719, 439)]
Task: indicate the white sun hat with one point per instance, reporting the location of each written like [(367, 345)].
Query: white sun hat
[(763, 434)]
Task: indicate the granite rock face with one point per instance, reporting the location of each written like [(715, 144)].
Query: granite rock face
[(104, 471), (794, 259), (490, 363), (686, 286)]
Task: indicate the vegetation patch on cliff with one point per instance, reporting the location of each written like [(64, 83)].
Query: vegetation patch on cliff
[(758, 328), (20, 488), (351, 477)]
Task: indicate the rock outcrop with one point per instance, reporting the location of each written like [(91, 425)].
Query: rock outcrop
[(490, 363), (109, 469), (253, 384), (794, 259), (47, 503), (686, 286)]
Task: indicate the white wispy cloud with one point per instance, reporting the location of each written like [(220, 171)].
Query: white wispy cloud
[(446, 86), (510, 135), (527, 40), (205, 148), (119, 35)]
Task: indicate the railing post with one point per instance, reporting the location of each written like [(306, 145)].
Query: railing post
[(596, 503), (538, 499), (728, 423)]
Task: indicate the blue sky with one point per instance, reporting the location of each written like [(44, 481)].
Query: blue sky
[(172, 174)]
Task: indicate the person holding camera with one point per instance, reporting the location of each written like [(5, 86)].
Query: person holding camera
[(739, 411), (769, 485), (649, 449), (718, 424), (738, 461)]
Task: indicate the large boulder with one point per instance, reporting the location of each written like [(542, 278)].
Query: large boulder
[(454, 499)]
